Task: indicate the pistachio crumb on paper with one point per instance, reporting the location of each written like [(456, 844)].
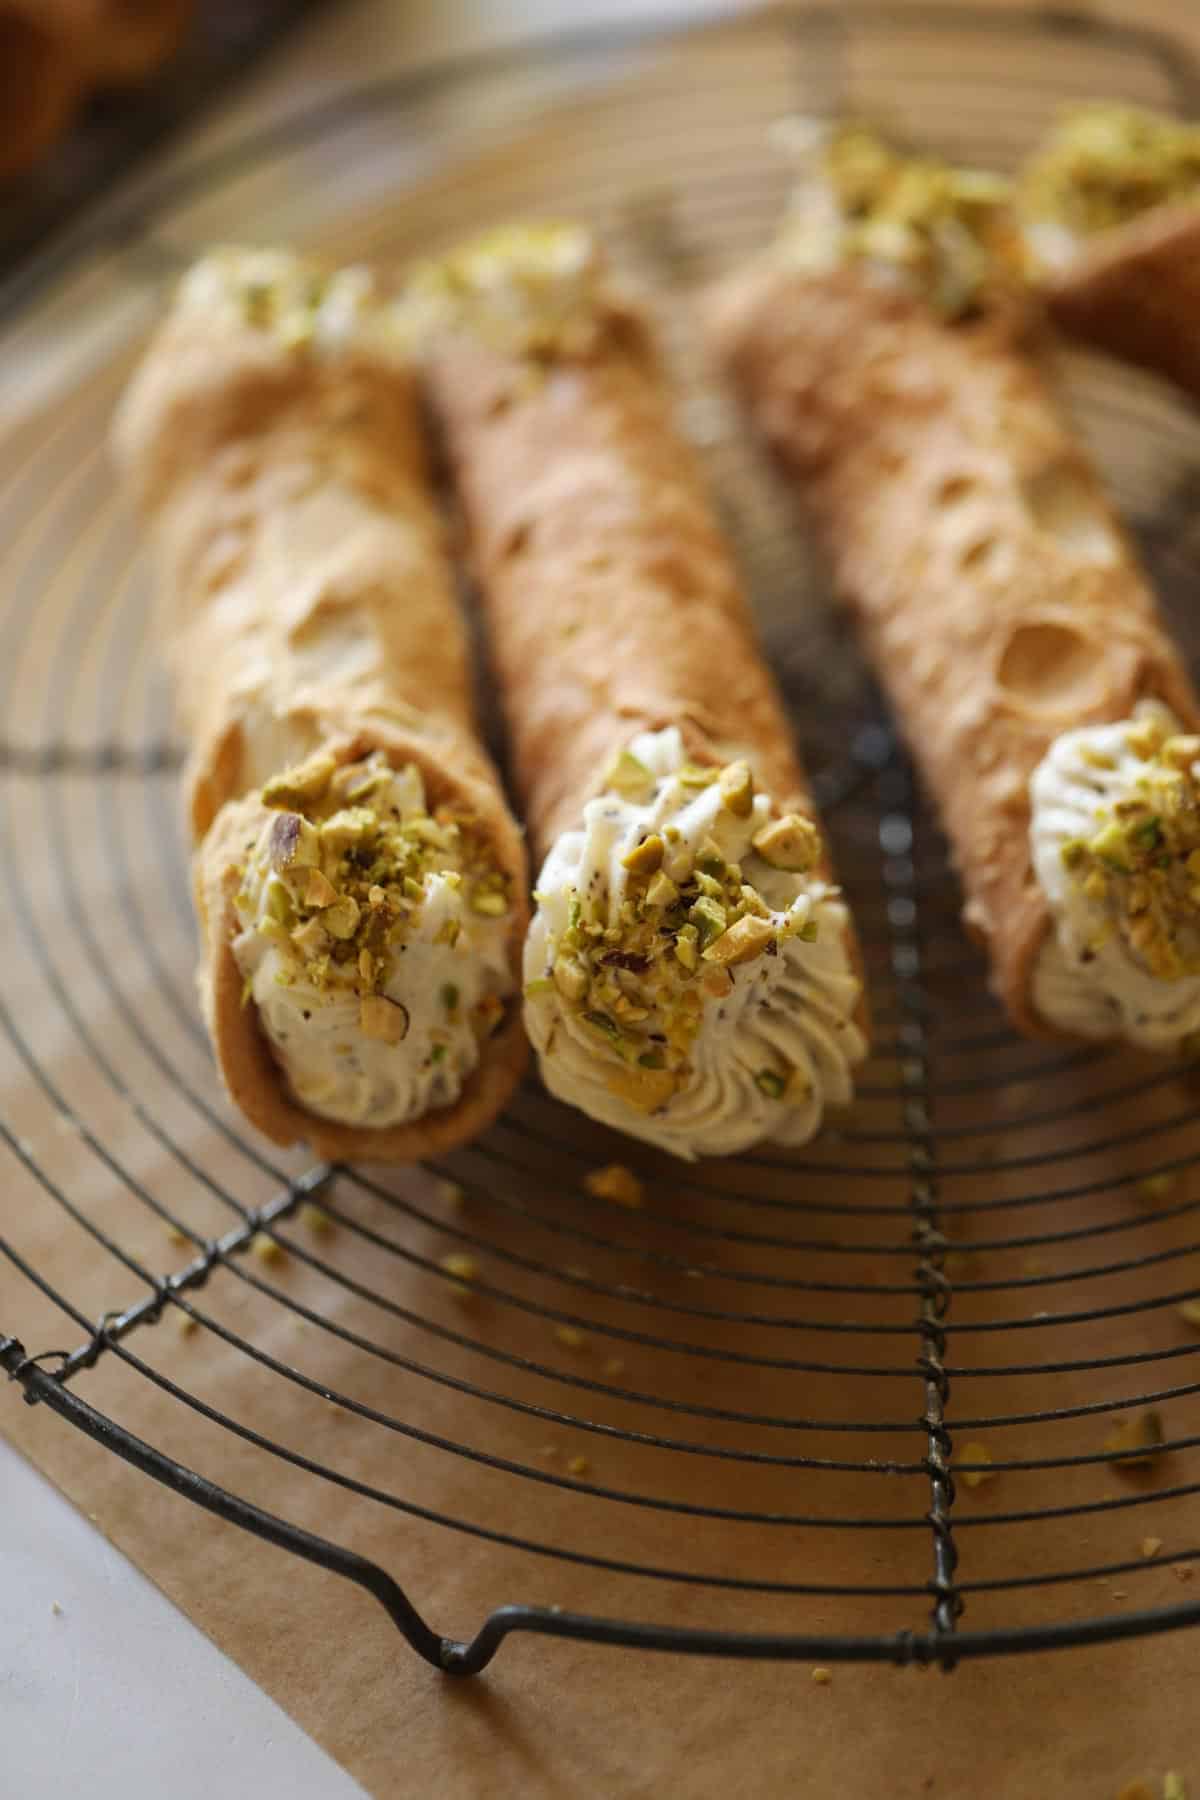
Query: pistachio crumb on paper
[(266, 1248), (1138, 1441), (979, 1457), (460, 1265), (822, 1677), (616, 1183)]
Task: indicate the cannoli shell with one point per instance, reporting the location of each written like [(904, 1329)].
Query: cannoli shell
[(994, 589), (612, 602), (1134, 291), (306, 605)]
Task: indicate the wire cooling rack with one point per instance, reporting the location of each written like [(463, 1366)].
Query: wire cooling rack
[(727, 1422)]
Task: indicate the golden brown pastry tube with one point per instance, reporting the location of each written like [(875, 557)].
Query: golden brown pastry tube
[(703, 1018), (306, 606), (994, 589), (613, 605), (1134, 291)]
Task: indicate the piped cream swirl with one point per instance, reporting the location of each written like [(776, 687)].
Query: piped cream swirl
[(1107, 818), (373, 944), (702, 999)]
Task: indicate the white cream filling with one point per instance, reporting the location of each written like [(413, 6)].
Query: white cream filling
[(299, 302), (794, 1009), (1087, 979), (438, 976)]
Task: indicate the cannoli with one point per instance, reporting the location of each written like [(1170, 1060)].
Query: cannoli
[(887, 364), (42, 81), (1111, 214), (359, 879), (690, 973)]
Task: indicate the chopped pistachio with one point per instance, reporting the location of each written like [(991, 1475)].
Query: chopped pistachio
[(661, 890), (570, 1337), (449, 996), (737, 789), (538, 989), (460, 1265), (694, 775), (279, 904), (266, 1248), (771, 1083), (341, 919), (315, 1218), (645, 857), (1189, 1312), (366, 965), (489, 897), (687, 946), (617, 1183), (1107, 163), (972, 1464), (709, 918), (742, 942), (1139, 1441), (311, 939), (821, 1677), (646, 1090), (1180, 752), (570, 976), (578, 1465), (319, 891), (301, 786), (1151, 1547), (1156, 1187), (790, 843), (383, 1019), (630, 778), (293, 844), (345, 830)]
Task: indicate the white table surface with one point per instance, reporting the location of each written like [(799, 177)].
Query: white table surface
[(106, 1690)]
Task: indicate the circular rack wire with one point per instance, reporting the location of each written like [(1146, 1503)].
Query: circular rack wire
[(727, 1422)]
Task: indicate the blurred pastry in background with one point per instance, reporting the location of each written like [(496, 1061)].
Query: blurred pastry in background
[(54, 53), (1110, 207)]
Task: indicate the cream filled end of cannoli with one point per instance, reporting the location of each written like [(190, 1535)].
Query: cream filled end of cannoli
[(942, 233), (296, 300), (1115, 838), (1103, 167), (688, 975), (372, 939)]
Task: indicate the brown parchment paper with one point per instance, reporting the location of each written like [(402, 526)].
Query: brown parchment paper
[(108, 1076)]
